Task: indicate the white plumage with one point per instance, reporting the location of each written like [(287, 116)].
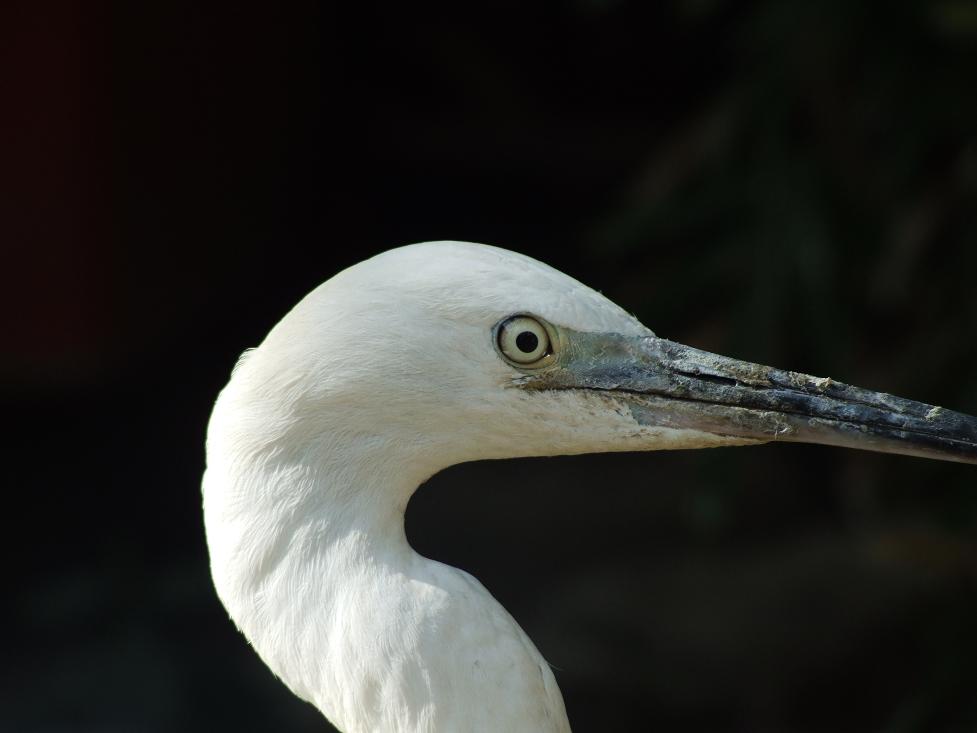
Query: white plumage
[(379, 378)]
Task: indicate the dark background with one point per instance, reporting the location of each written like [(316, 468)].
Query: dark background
[(786, 182)]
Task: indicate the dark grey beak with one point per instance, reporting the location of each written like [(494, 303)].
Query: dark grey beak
[(670, 385)]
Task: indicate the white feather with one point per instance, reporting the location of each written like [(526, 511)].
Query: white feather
[(378, 379)]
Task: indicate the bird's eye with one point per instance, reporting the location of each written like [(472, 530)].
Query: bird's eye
[(524, 340)]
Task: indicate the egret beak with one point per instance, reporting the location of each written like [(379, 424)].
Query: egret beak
[(666, 384)]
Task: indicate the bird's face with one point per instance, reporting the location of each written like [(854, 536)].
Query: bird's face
[(459, 352)]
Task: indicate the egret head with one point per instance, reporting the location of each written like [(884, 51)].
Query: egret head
[(447, 352), (436, 354)]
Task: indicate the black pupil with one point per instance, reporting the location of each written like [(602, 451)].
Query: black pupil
[(527, 341)]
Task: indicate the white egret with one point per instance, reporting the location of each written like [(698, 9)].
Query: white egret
[(431, 355)]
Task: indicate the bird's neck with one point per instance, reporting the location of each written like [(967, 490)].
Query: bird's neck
[(295, 531), (305, 526)]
